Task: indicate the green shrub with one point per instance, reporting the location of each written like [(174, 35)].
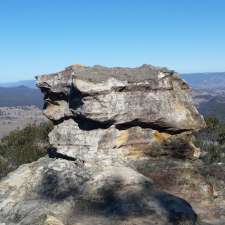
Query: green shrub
[(211, 140), (23, 146)]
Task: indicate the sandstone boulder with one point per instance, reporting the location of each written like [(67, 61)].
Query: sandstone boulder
[(62, 192), (145, 96), (119, 113)]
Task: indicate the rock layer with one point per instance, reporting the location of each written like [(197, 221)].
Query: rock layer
[(108, 122), (145, 96)]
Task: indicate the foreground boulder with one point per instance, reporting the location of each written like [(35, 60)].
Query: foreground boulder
[(62, 191), (108, 122)]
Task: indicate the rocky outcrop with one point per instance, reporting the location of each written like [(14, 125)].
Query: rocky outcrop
[(109, 122), (144, 96), (117, 112)]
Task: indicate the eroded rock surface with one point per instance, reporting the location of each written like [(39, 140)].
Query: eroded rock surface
[(118, 113), (108, 122), (65, 193), (144, 96)]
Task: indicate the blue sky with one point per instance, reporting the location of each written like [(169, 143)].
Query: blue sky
[(43, 36)]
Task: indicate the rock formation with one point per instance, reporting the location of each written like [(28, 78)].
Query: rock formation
[(109, 122), (117, 112)]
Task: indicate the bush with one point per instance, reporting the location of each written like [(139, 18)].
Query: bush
[(23, 146), (212, 140)]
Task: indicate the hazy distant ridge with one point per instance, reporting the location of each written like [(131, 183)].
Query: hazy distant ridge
[(27, 83), (205, 80), (20, 96)]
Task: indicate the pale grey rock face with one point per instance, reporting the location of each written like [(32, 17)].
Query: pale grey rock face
[(148, 95), (60, 192), (99, 110), (107, 120), (109, 145)]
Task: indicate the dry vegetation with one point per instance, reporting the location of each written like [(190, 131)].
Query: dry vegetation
[(23, 146), (211, 141)]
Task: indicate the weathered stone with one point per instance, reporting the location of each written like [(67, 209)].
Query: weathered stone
[(57, 110), (61, 192), (108, 121), (145, 96), (119, 113), (120, 145), (51, 220)]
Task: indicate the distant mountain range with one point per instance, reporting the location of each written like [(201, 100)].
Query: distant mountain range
[(26, 83), (205, 80), (208, 93), (20, 96)]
